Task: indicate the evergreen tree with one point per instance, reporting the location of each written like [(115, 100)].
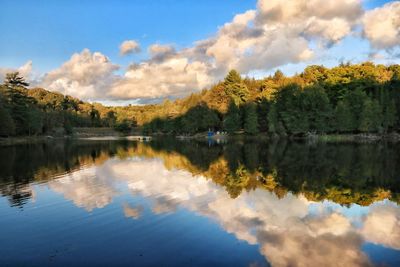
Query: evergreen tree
[(7, 127), (371, 119), (251, 119), (290, 105), (278, 75), (210, 120), (355, 101), (110, 118), (317, 108), (235, 88), (343, 117), (19, 104), (34, 121), (14, 80), (389, 115), (232, 122), (233, 77), (272, 119), (262, 114)]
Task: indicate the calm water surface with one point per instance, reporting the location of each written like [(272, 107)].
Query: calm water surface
[(171, 203)]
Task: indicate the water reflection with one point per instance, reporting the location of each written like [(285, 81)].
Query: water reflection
[(302, 204)]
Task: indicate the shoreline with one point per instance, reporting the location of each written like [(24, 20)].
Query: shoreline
[(329, 138)]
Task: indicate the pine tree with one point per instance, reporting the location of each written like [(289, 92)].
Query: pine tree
[(355, 101), (19, 103), (251, 119), (272, 119), (235, 88), (7, 126), (232, 122), (343, 117), (371, 119), (232, 78), (389, 116), (13, 79), (262, 114), (278, 75), (317, 108), (34, 121)]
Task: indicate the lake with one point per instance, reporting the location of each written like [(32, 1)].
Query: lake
[(191, 203)]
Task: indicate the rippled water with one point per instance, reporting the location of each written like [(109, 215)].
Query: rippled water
[(175, 203)]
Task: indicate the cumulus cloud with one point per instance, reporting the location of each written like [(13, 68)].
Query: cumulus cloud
[(274, 34), (175, 76), (85, 75), (161, 52), (129, 47), (277, 33), (329, 21), (382, 26)]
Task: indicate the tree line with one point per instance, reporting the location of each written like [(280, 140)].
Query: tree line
[(358, 98), (349, 98), (37, 111)]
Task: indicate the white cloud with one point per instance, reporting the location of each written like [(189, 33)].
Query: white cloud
[(129, 47), (275, 34), (85, 75), (161, 52), (382, 26), (174, 76), (251, 41)]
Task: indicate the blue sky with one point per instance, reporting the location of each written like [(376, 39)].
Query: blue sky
[(43, 35), (49, 31)]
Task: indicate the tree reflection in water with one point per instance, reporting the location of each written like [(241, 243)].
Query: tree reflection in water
[(292, 199)]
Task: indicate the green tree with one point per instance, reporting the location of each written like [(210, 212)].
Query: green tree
[(389, 115), (317, 108), (251, 119), (314, 74), (343, 117), (232, 121), (7, 127), (354, 100), (14, 79), (278, 76), (19, 105), (235, 88), (110, 118), (94, 116), (272, 119), (232, 78), (371, 119), (34, 121), (123, 127), (262, 114), (290, 105)]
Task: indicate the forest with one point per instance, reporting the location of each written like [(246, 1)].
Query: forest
[(346, 99)]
